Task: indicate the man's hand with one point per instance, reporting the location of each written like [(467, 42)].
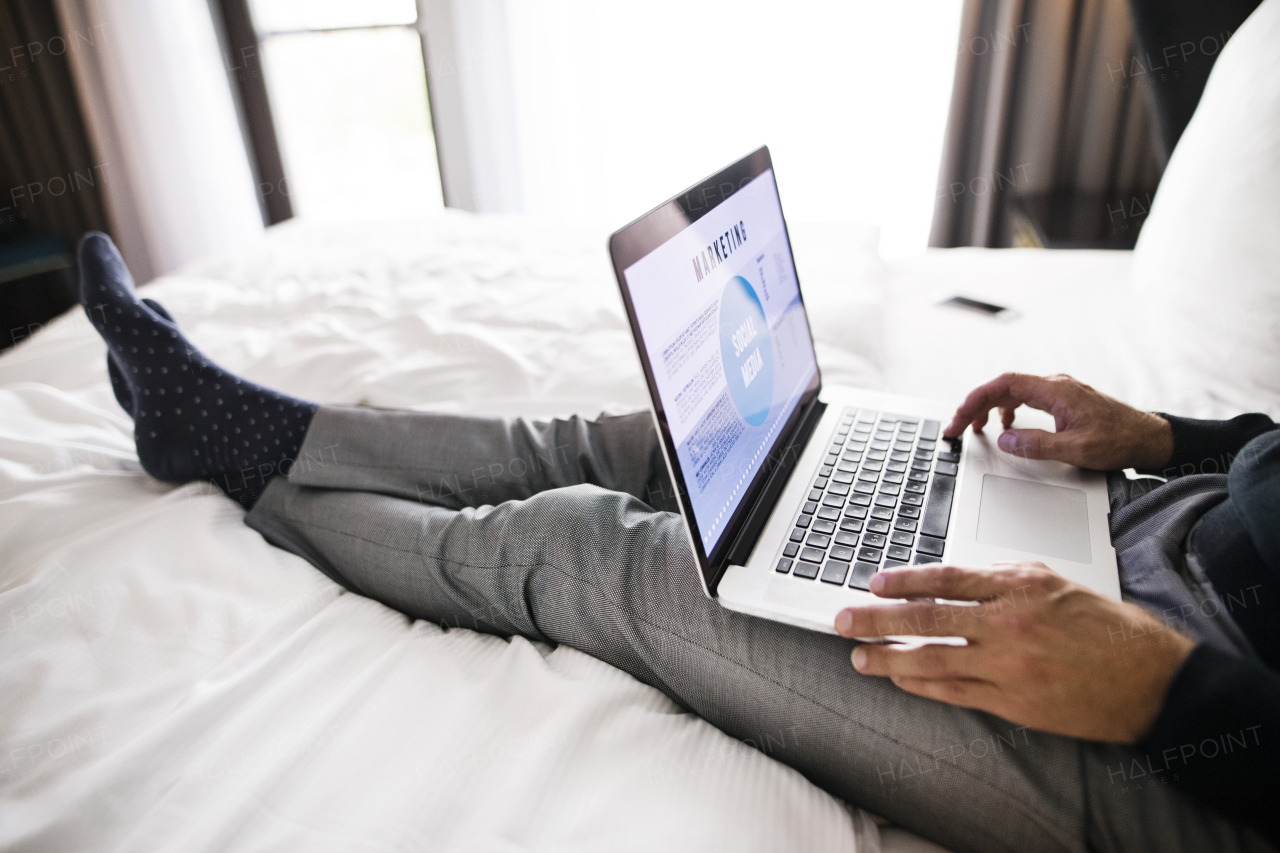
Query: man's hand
[(1093, 430), (1042, 651)]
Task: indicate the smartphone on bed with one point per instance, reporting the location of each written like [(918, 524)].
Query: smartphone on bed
[(988, 309)]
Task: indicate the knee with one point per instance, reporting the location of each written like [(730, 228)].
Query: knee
[(585, 511), (617, 541), (591, 526)]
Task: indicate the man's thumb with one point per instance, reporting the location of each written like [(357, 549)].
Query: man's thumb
[(1029, 443)]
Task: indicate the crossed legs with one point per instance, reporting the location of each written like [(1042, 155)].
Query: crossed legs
[(557, 532), (548, 530)]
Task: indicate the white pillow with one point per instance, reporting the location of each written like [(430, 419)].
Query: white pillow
[(1207, 262)]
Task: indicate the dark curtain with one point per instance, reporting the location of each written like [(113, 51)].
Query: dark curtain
[(1049, 141), (1183, 40), (1064, 112), (52, 180)]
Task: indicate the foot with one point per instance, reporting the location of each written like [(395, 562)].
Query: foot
[(192, 419)]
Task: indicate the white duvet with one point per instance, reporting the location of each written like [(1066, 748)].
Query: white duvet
[(171, 682), (168, 681)]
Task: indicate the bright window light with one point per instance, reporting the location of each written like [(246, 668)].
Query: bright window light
[(350, 108), (273, 16), (621, 105)]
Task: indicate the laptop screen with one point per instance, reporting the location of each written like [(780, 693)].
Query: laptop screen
[(718, 311)]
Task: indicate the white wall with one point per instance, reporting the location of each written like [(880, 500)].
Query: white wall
[(590, 111), (621, 105)]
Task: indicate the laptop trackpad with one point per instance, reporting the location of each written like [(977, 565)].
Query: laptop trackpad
[(1034, 517)]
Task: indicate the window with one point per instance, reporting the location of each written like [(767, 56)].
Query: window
[(348, 94), (579, 110)]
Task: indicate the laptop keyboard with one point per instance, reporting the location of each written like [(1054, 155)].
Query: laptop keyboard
[(881, 498)]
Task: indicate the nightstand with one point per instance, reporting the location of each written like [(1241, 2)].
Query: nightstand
[(37, 283)]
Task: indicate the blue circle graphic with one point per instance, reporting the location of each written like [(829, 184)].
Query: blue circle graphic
[(746, 350)]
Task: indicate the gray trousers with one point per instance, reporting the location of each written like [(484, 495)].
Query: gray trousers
[(557, 532)]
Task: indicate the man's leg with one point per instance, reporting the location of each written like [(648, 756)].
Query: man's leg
[(603, 572), (457, 461), (192, 419)]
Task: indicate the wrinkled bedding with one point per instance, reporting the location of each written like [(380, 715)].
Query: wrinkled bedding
[(170, 681)]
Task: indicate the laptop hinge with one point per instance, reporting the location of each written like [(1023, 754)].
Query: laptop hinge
[(789, 458)]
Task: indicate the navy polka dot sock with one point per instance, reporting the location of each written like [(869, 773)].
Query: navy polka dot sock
[(192, 420)]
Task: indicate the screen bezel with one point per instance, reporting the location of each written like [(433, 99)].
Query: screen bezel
[(636, 240)]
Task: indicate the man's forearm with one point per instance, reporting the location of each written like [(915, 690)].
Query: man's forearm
[(1218, 736), (1208, 447)]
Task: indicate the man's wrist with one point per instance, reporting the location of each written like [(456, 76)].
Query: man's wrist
[(1156, 443), (1164, 663)]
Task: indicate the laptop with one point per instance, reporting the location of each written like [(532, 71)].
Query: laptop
[(794, 494)]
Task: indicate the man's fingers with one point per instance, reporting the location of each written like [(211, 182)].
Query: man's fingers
[(1033, 444), (942, 581), (1007, 390), (985, 397), (913, 618), (980, 420), (926, 661), (967, 693)]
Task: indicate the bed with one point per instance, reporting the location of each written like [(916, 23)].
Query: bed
[(170, 681)]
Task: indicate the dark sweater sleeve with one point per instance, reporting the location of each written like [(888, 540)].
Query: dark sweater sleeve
[(1254, 486), (1207, 447), (1218, 736), (1218, 733), (1237, 543)]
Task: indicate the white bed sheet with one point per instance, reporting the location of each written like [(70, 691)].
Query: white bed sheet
[(1078, 315), (170, 681)]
